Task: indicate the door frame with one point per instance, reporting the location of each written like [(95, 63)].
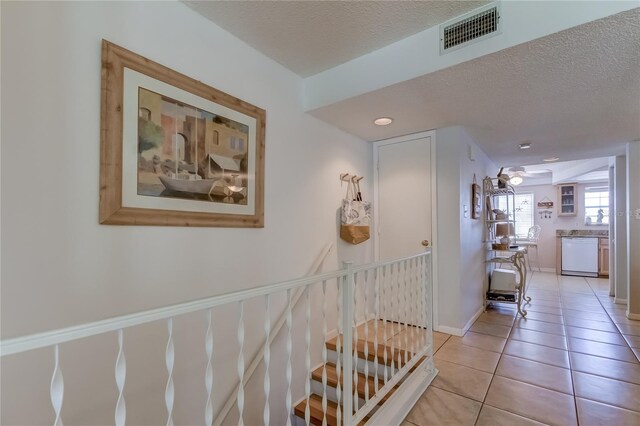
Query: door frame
[(434, 207)]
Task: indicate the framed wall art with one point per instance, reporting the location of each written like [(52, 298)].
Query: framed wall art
[(476, 199), (174, 151)]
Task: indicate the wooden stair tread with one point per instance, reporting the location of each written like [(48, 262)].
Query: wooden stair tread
[(332, 381), (315, 401), (397, 356), (315, 411)]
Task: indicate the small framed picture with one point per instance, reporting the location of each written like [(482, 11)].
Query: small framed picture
[(476, 201)]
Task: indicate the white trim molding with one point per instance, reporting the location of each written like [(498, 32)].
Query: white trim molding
[(633, 316), (449, 330), (398, 406), (473, 319), (619, 301)]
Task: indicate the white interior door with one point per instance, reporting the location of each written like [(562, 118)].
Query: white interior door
[(403, 207), (403, 197)]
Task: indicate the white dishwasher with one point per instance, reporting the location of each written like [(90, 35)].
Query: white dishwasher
[(580, 256)]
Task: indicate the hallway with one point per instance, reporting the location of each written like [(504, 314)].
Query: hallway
[(574, 360)]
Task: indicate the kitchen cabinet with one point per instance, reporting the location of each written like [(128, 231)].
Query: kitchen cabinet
[(603, 257), (568, 199)]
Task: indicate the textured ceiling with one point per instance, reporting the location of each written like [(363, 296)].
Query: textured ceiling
[(308, 37), (574, 94)]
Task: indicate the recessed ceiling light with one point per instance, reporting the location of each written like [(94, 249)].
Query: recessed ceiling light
[(525, 145), (383, 121), (550, 159)]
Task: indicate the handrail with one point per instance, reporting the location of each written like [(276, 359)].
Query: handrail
[(276, 329), (40, 340), (412, 285), (49, 338), (380, 264)]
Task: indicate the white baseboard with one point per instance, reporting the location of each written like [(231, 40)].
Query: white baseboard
[(396, 408), (543, 270), (620, 301), (473, 319), (633, 316), (450, 330), (460, 331)]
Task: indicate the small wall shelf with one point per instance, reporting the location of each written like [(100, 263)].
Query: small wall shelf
[(568, 200)]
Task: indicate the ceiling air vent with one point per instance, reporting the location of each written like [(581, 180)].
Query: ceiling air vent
[(471, 27)]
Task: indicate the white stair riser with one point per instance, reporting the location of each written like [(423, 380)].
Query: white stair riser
[(332, 357), (316, 387)]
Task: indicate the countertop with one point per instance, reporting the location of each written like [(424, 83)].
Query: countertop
[(582, 233)]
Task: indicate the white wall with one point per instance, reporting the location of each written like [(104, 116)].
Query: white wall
[(60, 267), (461, 253), (547, 240), (633, 229), (620, 230)]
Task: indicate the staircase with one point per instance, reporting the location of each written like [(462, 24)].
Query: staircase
[(382, 349), (387, 359)]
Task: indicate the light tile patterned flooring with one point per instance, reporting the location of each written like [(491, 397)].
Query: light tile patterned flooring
[(573, 360)]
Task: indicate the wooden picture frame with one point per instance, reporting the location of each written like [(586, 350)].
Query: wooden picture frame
[(476, 199), (175, 151)]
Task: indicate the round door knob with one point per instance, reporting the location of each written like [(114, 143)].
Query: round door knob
[(425, 243)]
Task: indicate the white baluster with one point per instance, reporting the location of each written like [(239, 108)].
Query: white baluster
[(376, 300), (423, 305), (392, 277), (338, 347), (354, 322), (121, 375), (429, 302), (324, 353), (56, 390), (402, 306), (240, 365), (289, 349), (366, 341), (267, 359), (405, 308), (412, 301), (418, 302), (384, 324), (307, 385), (208, 375), (169, 357), (347, 320)]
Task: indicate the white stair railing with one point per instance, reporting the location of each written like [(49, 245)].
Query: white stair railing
[(394, 295), (270, 335)]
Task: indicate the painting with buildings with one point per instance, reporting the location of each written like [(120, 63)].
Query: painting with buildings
[(187, 152)]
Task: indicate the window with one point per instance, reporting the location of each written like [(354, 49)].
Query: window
[(596, 205), (236, 142), (523, 212)]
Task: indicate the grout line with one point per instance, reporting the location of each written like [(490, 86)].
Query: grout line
[(540, 344), (606, 377), (573, 384), (619, 331), (466, 366), (493, 375)]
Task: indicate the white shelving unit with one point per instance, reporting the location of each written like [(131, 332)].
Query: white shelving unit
[(501, 253)]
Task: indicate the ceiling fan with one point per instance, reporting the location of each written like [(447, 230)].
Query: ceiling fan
[(517, 173)]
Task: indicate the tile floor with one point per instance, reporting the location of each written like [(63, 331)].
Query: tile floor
[(573, 360)]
